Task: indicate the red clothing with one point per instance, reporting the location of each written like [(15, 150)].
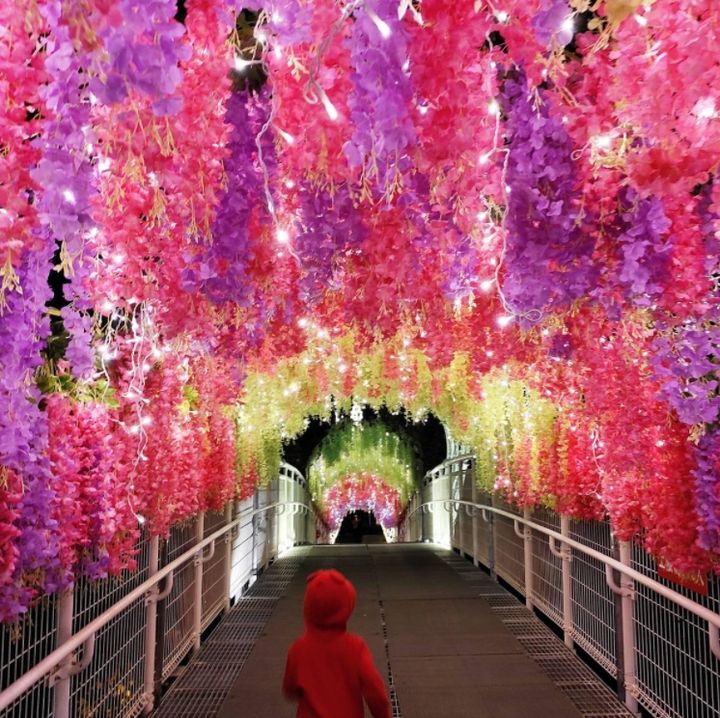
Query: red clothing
[(330, 671)]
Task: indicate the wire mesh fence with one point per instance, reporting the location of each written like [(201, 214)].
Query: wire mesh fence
[(676, 674), (127, 660)]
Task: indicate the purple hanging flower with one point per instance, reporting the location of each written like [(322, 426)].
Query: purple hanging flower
[(548, 262), (707, 490), (330, 228), (381, 94), (553, 20), (143, 51), (219, 270)]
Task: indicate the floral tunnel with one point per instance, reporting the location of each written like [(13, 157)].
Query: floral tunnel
[(362, 466), (250, 217)]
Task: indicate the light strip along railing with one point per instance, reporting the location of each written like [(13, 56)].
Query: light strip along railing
[(63, 662), (625, 590)]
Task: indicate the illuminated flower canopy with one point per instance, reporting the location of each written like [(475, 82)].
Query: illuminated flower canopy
[(504, 213)]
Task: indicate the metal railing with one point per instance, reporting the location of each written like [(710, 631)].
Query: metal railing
[(661, 644), (104, 648)]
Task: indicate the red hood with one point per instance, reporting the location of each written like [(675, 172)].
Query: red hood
[(329, 600)]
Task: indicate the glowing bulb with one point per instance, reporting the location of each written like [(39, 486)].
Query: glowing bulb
[(135, 429), (484, 159), (502, 16), (423, 109), (380, 24), (603, 141), (107, 306), (104, 164), (302, 322), (146, 420), (277, 52), (486, 285), (329, 107), (277, 18), (69, 196), (140, 519), (640, 20), (493, 107), (241, 64), (289, 184), (287, 137), (118, 258), (504, 320), (568, 25), (406, 65), (261, 36), (282, 235)]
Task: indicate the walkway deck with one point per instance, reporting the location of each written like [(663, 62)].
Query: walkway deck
[(444, 650)]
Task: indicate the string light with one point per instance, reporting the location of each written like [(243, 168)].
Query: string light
[(282, 235), (487, 284), (504, 320), (69, 196)]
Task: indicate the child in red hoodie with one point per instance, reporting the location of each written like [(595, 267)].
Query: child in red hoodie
[(330, 671)]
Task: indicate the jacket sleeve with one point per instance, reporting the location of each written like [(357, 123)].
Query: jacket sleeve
[(373, 688), (291, 688)]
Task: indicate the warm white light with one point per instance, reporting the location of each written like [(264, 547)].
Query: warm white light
[(504, 320), (261, 36), (603, 141), (423, 109), (640, 20), (282, 235), (482, 215), (705, 108), (287, 137), (329, 107), (493, 107), (380, 24), (118, 258), (146, 420), (277, 18), (568, 24), (69, 196), (277, 52), (486, 285), (135, 429), (484, 159), (342, 368), (104, 164), (107, 306), (241, 64), (406, 65), (502, 16), (289, 184), (302, 322)]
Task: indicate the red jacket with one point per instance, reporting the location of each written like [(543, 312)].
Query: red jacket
[(330, 671)]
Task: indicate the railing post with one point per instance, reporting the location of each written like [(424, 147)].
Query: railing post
[(228, 557), (528, 554), (61, 690), (151, 627), (475, 541), (566, 557), (198, 584), (627, 586)]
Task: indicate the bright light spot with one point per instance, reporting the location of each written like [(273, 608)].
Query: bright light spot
[(604, 142), (107, 306), (105, 352), (146, 367), (282, 235), (423, 109), (502, 16), (118, 258), (406, 65), (241, 64), (104, 164), (277, 18), (380, 24), (89, 148), (302, 322), (135, 429), (277, 52), (565, 118), (69, 196), (640, 20), (141, 519), (568, 24), (482, 215), (494, 108), (329, 107), (504, 320), (289, 184), (287, 137), (484, 159), (261, 36), (705, 108), (342, 368), (486, 285), (660, 443), (146, 420)]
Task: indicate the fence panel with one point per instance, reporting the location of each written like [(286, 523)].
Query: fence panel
[(22, 645), (213, 581), (678, 676)]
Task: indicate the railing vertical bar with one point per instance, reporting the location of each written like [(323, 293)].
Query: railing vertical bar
[(61, 690), (198, 584), (567, 599), (151, 626)]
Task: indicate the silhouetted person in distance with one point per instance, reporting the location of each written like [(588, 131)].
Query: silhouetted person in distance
[(329, 671)]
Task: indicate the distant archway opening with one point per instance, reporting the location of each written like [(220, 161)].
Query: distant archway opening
[(360, 527)]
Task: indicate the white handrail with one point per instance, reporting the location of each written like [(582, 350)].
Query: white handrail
[(87, 633), (712, 618)]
